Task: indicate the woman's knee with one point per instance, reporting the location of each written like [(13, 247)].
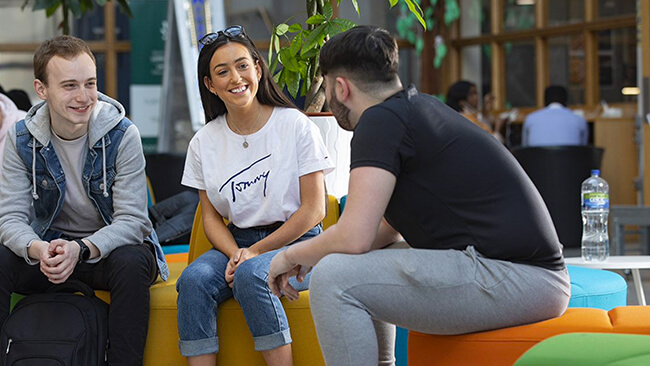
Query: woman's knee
[(251, 273), (195, 278)]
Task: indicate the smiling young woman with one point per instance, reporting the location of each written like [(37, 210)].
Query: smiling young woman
[(259, 163)]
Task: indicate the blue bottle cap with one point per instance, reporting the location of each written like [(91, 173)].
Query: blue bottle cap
[(595, 172)]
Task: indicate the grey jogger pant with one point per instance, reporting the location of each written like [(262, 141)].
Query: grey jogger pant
[(356, 299)]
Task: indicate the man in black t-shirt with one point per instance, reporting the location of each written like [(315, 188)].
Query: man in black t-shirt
[(483, 250)]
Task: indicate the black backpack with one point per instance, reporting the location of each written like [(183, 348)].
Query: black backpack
[(57, 328)]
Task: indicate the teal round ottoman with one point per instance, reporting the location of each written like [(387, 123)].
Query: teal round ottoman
[(596, 288)]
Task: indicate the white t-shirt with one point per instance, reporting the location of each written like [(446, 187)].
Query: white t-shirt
[(258, 185)]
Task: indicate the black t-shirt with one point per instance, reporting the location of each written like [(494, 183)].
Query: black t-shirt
[(456, 184)]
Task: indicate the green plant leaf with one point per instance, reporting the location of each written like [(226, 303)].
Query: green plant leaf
[(310, 54), (328, 11), (271, 47), (339, 25), (293, 82), (393, 2), (277, 44), (295, 27), (281, 29), (417, 11), (287, 59), (44, 4), (273, 64), (51, 10), (295, 45), (75, 8), (356, 7), (452, 12), (314, 39), (316, 19), (419, 45), (88, 5), (125, 8)]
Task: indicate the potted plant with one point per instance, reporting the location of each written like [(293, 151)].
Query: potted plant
[(299, 56), (300, 75), (76, 7)]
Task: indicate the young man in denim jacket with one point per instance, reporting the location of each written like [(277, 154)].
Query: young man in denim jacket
[(73, 201)]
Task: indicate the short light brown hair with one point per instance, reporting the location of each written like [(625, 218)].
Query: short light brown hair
[(67, 47)]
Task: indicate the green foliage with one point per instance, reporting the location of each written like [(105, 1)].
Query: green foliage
[(406, 29), (77, 7), (299, 56)]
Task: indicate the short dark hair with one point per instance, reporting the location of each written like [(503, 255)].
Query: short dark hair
[(555, 94), (458, 92), (366, 54), (268, 93), (67, 47)]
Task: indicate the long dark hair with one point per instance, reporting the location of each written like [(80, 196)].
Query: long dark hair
[(268, 92), (458, 92)]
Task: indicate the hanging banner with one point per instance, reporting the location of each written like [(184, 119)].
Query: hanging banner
[(148, 35)]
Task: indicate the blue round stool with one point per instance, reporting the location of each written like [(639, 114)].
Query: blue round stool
[(596, 288)]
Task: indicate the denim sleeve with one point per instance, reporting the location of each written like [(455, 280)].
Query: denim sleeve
[(131, 223), (15, 201)]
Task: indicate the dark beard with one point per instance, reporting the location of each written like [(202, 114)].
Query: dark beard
[(341, 113)]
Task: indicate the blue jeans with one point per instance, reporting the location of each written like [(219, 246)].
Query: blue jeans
[(202, 287)]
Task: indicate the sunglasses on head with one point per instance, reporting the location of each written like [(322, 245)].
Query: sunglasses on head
[(230, 32)]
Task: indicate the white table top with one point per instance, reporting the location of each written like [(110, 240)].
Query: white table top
[(614, 262)]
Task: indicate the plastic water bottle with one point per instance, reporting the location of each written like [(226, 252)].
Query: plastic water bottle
[(595, 210)]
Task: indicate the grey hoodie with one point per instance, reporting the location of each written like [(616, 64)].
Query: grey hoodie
[(130, 223)]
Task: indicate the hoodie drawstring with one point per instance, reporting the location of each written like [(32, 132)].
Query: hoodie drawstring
[(34, 194), (104, 165)]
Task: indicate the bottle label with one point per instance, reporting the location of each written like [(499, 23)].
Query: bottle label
[(595, 201)]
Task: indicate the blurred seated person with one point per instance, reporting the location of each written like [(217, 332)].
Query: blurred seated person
[(20, 99), (9, 115), (554, 125), (462, 97)]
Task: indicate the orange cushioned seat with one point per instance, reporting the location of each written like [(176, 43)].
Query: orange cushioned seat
[(505, 346)]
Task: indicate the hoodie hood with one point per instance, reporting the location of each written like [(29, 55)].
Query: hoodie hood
[(9, 115), (107, 114)]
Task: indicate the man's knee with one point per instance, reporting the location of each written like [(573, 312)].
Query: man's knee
[(132, 260), (330, 273)]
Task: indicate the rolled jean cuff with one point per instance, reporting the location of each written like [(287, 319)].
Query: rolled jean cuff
[(199, 347), (272, 341)]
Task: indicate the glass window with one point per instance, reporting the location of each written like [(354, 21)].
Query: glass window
[(614, 8), (520, 74), (476, 67), (90, 27), (567, 57), (518, 15), (475, 18), (410, 67), (562, 12), (617, 63)]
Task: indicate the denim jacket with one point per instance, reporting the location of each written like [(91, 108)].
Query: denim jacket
[(32, 162)]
